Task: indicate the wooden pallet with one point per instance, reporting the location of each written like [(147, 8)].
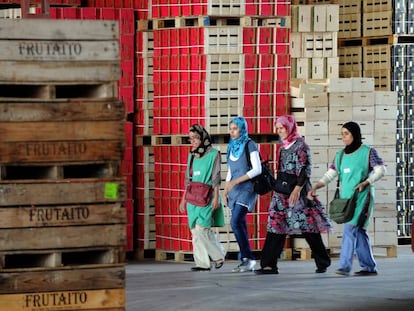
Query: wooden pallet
[(378, 251), (178, 256)]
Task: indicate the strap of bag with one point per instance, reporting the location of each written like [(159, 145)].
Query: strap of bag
[(190, 171), (246, 151)]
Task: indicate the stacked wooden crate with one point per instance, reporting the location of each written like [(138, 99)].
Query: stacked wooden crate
[(62, 216), (203, 63), (375, 40), (314, 41), (329, 105)]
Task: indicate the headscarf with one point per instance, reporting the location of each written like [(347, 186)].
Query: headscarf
[(205, 140), (236, 146), (355, 130), (289, 123)]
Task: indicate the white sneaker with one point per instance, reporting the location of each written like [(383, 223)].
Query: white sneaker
[(245, 266)]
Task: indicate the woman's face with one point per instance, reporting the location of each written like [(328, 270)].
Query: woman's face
[(195, 140), (281, 131), (347, 137), (234, 131)]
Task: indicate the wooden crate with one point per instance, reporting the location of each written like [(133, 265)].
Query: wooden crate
[(63, 222), (41, 51), (350, 58), (349, 26), (377, 57), (377, 24)]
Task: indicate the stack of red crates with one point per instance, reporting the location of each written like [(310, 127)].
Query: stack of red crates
[(183, 95), (126, 86)]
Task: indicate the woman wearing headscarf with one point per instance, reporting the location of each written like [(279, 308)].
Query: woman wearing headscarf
[(293, 213), (359, 166), (204, 165), (238, 192)]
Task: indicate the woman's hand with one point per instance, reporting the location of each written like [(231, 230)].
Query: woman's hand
[(216, 203), (182, 206), (311, 194), (224, 197), (362, 185), (294, 196)]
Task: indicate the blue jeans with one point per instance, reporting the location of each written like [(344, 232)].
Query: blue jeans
[(355, 239), (239, 227)]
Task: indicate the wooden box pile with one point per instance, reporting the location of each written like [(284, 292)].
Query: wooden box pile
[(62, 218)]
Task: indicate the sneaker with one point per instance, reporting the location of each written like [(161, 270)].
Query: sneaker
[(342, 272), (245, 266), (366, 273)]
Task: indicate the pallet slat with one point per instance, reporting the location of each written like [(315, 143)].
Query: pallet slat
[(62, 237), (62, 192), (58, 30), (65, 300), (61, 131), (40, 72), (64, 110), (31, 50), (51, 216)]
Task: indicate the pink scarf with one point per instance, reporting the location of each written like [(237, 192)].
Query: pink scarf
[(289, 123)]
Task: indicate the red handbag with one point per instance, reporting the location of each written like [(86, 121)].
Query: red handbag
[(197, 193)]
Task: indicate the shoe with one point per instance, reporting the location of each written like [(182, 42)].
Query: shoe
[(342, 272), (320, 270), (199, 269), (266, 271), (219, 263), (245, 266), (366, 273)]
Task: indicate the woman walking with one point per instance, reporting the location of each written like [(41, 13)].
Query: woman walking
[(292, 213), (359, 166), (238, 192), (203, 165)]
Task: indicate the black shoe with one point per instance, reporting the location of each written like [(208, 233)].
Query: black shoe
[(320, 270), (266, 271), (366, 273), (199, 269), (219, 264)]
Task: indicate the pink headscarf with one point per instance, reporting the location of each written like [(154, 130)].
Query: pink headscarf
[(289, 123)]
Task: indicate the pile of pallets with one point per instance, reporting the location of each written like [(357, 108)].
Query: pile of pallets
[(62, 216)]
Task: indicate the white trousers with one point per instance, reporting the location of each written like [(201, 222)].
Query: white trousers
[(206, 245)]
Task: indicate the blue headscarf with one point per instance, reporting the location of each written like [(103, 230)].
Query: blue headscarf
[(236, 146)]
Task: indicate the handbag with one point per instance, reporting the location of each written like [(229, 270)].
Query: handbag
[(285, 183), (197, 193), (342, 210), (263, 183)]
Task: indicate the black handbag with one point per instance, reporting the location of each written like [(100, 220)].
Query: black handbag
[(285, 183), (263, 183)]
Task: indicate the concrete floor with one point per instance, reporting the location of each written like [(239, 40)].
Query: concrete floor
[(172, 286)]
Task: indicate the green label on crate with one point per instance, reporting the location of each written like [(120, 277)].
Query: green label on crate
[(111, 191)]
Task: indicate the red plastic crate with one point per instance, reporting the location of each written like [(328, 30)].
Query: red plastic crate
[(129, 209), (249, 40), (129, 238), (127, 47)]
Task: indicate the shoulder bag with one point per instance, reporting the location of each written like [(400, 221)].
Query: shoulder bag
[(263, 183), (285, 182), (342, 210), (197, 193)]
